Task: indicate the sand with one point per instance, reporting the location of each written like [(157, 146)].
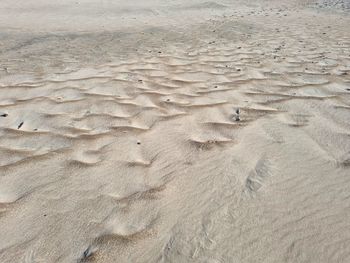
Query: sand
[(174, 131)]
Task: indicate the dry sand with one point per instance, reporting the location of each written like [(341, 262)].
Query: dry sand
[(120, 139)]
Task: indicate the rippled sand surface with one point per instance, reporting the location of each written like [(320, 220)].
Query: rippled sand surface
[(174, 131)]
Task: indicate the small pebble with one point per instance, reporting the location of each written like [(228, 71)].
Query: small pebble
[(87, 253), (20, 125)]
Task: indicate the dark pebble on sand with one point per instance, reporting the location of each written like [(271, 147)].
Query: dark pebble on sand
[(20, 125), (4, 115), (87, 253)]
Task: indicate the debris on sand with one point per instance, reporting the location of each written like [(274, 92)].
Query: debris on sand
[(20, 125)]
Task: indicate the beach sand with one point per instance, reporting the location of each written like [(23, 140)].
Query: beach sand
[(174, 131)]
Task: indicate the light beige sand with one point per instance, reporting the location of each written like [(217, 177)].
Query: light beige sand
[(120, 139)]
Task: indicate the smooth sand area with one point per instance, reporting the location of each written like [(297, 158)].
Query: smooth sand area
[(174, 131)]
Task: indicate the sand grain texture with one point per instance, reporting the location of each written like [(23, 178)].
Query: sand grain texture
[(174, 131)]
